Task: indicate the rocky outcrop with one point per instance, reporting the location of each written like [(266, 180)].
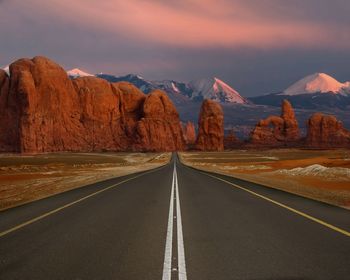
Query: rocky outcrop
[(159, 129), (231, 141), (42, 110), (210, 127), (189, 132), (277, 131), (8, 132), (325, 131)]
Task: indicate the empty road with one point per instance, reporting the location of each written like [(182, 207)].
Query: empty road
[(175, 222)]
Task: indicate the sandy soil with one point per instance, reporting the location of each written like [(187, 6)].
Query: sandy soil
[(28, 178), (319, 174)]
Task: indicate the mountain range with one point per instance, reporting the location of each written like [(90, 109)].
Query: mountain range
[(316, 91), (197, 90)]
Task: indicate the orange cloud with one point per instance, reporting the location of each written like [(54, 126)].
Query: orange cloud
[(195, 23)]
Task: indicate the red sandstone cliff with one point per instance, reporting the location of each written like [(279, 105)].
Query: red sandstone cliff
[(211, 127), (42, 110), (160, 128), (326, 131), (277, 131)]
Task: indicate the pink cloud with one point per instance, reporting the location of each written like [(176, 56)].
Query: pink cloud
[(194, 23)]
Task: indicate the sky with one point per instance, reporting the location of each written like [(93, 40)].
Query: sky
[(256, 46)]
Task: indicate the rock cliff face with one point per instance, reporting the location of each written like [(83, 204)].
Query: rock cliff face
[(43, 107), (189, 132), (8, 132), (42, 110), (277, 131), (326, 131), (211, 127), (159, 129)]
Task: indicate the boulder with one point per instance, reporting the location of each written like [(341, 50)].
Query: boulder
[(210, 127)]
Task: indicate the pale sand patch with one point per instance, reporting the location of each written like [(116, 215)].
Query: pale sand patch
[(320, 175), (25, 179)]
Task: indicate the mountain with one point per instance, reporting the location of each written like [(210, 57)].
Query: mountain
[(317, 83), (317, 91), (76, 72), (7, 69), (210, 88), (136, 80), (215, 89)]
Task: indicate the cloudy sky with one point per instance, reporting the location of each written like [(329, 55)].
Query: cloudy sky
[(257, 46)]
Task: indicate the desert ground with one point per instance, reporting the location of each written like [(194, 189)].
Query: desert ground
[(25, 178), (323, 175)]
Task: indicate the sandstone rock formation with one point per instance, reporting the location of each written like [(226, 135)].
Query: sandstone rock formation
[(231, 141), (189, 132), (210, 127), (8, 133), (277, 131), (325, 131), (42, 110), (159, 129)]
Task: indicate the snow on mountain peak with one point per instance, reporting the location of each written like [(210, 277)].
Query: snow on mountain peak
[(215, 89), (316, 83), (76, 72), (7, 69)]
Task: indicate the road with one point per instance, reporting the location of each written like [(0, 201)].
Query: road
[(175, 222)]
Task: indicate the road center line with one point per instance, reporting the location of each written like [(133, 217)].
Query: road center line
[(307, 216), (180, 241), (31, 221), (181, 265)]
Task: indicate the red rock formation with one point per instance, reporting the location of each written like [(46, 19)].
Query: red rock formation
[(189, 132), (325, 131), (277, 131), (42, 110), (211, 127), (43, 107), (159, 129), (100, 114), (8, 127), (231, 141)]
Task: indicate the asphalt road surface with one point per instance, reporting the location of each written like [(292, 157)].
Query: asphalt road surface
[(175, 222)]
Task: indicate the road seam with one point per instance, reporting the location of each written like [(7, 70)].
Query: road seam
[(307, 216), (31, 221), (181, 264)]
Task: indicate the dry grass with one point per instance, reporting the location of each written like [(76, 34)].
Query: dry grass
[(328, 180), (28, 178)]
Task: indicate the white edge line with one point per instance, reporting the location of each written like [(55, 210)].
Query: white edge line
[(169, 237), (180, 241)]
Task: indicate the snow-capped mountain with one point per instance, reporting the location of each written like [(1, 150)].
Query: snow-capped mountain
[(76, 73), (215, 89), (7, 69), (317, 91), (317, 83), (211, 88), (137, 80)]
